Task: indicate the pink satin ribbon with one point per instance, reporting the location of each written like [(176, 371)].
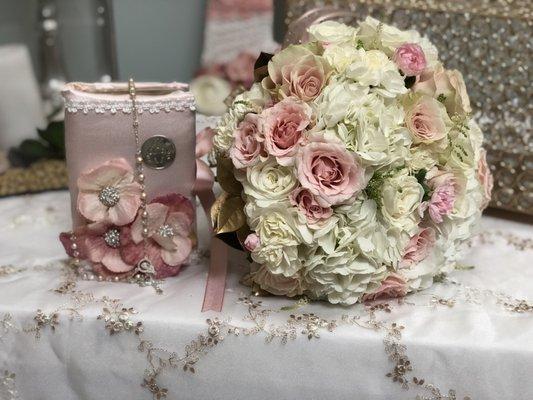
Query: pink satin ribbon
[(203, 188)]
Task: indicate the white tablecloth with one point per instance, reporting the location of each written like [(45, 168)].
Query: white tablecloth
[(460, 336)]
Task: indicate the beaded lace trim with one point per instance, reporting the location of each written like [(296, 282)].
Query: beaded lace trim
[(124, 106)]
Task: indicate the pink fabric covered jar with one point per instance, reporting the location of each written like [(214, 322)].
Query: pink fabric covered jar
[(131, 195)]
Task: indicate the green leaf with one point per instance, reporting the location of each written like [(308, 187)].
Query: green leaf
[(54, 135), (33, 150)]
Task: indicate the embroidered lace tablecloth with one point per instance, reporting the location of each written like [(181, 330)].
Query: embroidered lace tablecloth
[(470, 334)]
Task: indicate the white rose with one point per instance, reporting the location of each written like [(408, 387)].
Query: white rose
[(401, 197), (277, 225), (374, 68), (277, 284), (278, 259), (330, 32), (268, 182), (210, 92)]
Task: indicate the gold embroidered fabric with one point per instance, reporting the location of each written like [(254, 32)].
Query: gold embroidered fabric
[(102, 339)]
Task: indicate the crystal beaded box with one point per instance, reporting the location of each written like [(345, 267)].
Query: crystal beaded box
[(490, 43)]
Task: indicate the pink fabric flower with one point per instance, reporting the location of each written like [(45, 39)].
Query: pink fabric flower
[(240, 70), (251, 242), (247, 146), (170, 220), (418, 247), (101, 243), (444, 186), (109, 193), (485, 178), (283, 128), (425, 120), (329, 171), (392, 286), (309, 206), (410, 58)]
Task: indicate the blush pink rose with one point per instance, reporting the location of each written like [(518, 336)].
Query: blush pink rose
[(247, 148), (418, 247), (308, 205), (392, 286), (101, 244), (283, 128), (329, 171), (109, 193), (485, 178), (449, 85), (297, 71), (426, 120), (170, 220), (445, 188), (410, 58), (251, 242)]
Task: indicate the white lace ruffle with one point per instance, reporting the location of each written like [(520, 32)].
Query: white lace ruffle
[(124, 106)]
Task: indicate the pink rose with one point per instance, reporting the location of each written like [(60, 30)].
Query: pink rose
[(410, 59), (240, 70), (309, 206), (448, 85), (392, 286), (251, 242), (109, 193), (445, 188), (485, 178), (418, 247), (247, 147), (426, 120), (329, 171), (297, 71), (283, 128)]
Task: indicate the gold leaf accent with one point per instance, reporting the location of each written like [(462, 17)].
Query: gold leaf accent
[(228, 213), (226, 176)]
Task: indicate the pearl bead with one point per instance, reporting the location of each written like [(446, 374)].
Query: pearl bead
[(139, 159), (145, 214), (143, 195), (141, 177), (73, 246)]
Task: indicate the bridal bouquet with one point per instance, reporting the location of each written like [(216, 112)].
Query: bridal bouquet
[(351, 169)]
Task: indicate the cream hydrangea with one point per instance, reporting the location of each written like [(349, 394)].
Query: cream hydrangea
[(374, 68)]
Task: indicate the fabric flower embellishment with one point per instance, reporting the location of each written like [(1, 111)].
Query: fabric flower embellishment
[(170, 220), (109, 193), (100, 243)]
